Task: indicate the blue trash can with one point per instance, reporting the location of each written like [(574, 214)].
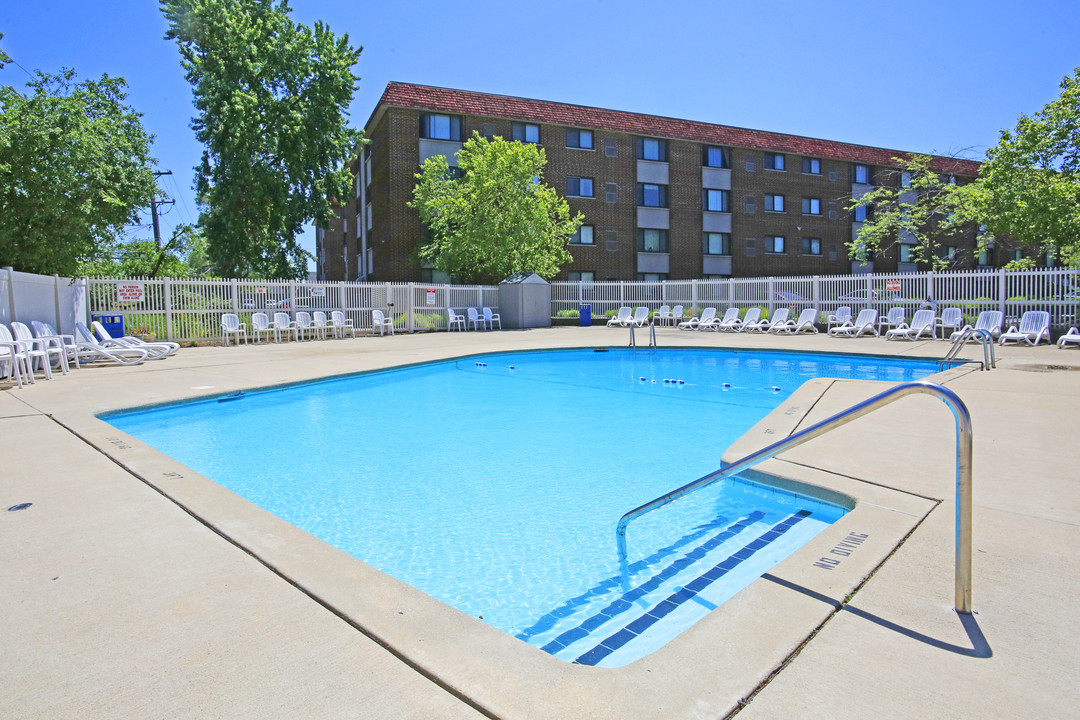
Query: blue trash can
[(586, 314), (114, 324)]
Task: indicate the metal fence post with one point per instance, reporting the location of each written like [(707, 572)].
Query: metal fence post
[(168, 308), (410, 307), (235, 295), (1001, 293)]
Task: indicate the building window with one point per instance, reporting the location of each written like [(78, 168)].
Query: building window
[(653, 241), (905, 179), (811, 206), (716, 200), (862, 212), (717, 157), (652, 149), (811, 246), (440, 127), (579, 139), (652, 277), (905, 254), (454, 172), (860, 174), (949, 253), (774, 203), (984, 258), (717, 243), (582, 236), (526, 132), (651, 195), (582, 276), (774, 161), (579, 187), (811, 166), (774, 244)]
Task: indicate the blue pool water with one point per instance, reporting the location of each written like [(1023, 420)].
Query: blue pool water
[(495, 483)]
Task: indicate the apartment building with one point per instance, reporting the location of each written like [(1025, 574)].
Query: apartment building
[(662, 198)]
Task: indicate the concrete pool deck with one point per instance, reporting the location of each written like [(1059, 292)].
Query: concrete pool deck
[(118, 602)]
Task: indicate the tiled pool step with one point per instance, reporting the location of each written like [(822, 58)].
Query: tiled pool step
[(633, 613)]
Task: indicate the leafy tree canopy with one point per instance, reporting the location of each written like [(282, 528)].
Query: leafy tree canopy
[(922, 211), (272, 99), (498, 218), (75, 168), (1030, 183), (184, 255)]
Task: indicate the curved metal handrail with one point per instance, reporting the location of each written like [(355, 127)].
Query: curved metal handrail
[(963, 474), (652, 336), (985, 339)]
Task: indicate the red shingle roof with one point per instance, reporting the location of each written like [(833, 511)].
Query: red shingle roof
[(465, 102)]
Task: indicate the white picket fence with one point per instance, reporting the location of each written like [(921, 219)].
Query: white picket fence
[(185, 310), (1056, 290)]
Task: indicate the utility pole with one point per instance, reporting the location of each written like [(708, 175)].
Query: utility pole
[(154, 206)]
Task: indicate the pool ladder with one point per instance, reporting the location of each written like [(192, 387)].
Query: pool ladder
[(652, 336), (963, 475), (984, 338)]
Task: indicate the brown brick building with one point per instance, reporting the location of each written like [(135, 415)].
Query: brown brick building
[(662, 198)]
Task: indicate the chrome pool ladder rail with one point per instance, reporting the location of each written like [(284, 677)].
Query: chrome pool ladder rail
[(652, 336), (985, 339), (963, 475)]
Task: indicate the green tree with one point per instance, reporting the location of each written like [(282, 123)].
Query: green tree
[(75, 168), (921, 208), (498, 218), (1029, 187), (183, 255), (272, 99)]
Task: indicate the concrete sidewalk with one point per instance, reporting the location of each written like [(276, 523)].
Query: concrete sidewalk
[(120, 602)]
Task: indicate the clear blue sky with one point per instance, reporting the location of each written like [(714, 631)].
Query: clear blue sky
[(928, 76)]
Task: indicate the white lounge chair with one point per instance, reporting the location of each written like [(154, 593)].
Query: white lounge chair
[(260, 323), (779, 319), (381, 322), (662, 316), (641, 317), (862, 325), (14, 357), (623, 318), (892, 319), (46, 332), (841, 316), (492, 317), (39, 349), (475, 320), (750, 319), (988, 320), (922, 324), (708, 316), (1034, 326), (730, 321), (283, 323), (807, 322), (1073, 336), (339, 324), (951, 319), (454, 320), (231, 325), (154, 350), (321, 324), (90, 350)]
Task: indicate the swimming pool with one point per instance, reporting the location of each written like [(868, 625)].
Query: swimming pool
[(494, 483)]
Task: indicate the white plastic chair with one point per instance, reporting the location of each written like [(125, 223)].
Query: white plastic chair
[(988, 320), (922, 323), (320, 323), (893, 319), (751, 319), (283, 323), (641, 317), (45, 331), (454, 320), (156, 350), (676, 314), (708, 316), (381, 322), (231, 325), (475, 320), (623, 318), (1034, 326), (38, 349), (339, 324), (492, 317), (951, 318), (776, 323), (841, 316), (304, 327), (730, 321), (90, 350), (806, 323), (863, 324), (662, 316), (260, 323), (14, 357), (1073, 336)]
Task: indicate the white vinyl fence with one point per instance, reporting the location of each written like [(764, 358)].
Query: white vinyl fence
[(25, 297), (1013, 292), (184, 310)]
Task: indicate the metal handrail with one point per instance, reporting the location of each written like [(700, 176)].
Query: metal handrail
[(985, 339), (963, 474), (652, 336)]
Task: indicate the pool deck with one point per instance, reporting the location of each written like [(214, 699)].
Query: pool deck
[(119, 602)]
